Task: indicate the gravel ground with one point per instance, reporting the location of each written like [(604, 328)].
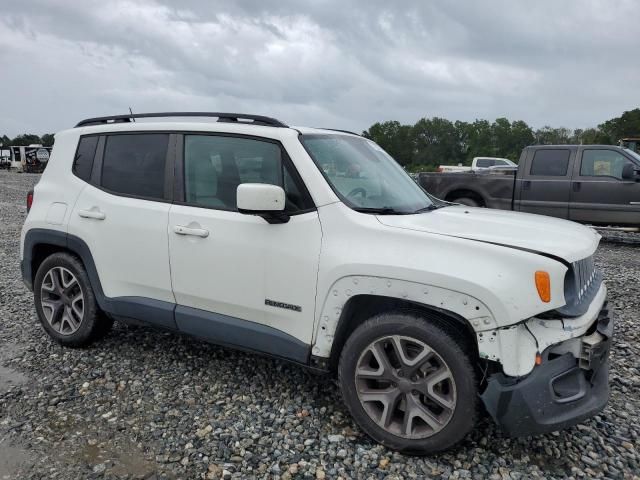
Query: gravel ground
[(146, 404)]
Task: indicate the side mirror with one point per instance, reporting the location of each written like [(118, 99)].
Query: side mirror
[(266, 201), (629, 171)]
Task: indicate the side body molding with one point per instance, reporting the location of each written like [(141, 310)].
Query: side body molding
[(212, 327), (465, 306)]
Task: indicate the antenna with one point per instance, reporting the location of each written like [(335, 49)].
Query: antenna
[(133, 119)]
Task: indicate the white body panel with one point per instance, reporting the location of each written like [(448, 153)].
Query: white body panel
[(243, 261), (129, 245)]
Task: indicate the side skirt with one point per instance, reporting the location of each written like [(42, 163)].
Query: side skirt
[(234, 332)]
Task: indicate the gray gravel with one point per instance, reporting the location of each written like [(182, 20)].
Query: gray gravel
[(146, 404)]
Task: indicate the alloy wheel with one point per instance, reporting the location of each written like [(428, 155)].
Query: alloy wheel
[(405, 387), (62, 300)]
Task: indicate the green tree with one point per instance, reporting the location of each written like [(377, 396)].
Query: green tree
[(47, 139), (26, 139), (626, 125), (5, 141), (436, 142), (395, 139)]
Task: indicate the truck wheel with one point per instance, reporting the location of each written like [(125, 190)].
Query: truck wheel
[(65, 302), (469, 202), (408, 384)]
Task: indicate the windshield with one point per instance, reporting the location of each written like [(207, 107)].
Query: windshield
[(364, 176), (633, 154)]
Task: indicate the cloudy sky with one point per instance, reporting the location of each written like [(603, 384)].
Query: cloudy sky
[(341, 64)]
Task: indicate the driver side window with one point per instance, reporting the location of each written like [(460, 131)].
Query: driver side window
[(602, 163), (214, 167)]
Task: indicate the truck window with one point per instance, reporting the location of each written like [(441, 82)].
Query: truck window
[(485, 163), (550, 163), (602, 163)]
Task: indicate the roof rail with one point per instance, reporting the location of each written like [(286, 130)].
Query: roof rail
[(342, 131), (222, 117)]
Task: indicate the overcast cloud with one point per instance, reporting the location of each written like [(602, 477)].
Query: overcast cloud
[(338, 64)]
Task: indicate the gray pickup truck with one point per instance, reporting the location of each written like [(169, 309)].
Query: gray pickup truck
[(596, 184)]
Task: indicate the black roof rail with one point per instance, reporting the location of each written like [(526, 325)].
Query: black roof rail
[(222, 117), (343, 131)]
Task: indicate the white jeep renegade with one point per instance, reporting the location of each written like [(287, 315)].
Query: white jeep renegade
[(315, 246)]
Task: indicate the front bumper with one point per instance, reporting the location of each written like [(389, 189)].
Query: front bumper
[(557, 394)]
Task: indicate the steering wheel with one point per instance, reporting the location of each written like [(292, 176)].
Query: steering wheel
[(358, 191)]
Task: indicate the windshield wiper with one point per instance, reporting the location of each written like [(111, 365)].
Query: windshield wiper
[(381, 210), (429, 208)]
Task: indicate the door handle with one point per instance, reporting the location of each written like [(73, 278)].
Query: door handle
[(95, 214), (526, 184), (576, 186), (196, 232)]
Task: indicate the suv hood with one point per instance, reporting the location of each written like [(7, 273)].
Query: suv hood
[(548, 235)]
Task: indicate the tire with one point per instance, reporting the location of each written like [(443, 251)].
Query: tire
[(66, 304), (469, 202), (361, 378)]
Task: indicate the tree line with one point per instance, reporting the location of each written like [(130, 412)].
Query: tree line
[(434, 141), (27, 139)]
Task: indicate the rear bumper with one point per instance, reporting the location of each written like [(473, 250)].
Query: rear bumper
[(557, 394)]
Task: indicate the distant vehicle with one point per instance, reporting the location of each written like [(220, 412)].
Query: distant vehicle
[(597, 184), (30, 159), (632, 143), (5, 158), (479, 163)]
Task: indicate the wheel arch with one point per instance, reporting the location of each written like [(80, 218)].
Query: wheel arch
[(361, 307), (39, 243), (465, 192)]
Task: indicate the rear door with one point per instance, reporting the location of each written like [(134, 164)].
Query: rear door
[(544, 186), (599, 194), (122, 216)]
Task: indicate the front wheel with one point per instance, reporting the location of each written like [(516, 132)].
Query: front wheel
[(408, 384)]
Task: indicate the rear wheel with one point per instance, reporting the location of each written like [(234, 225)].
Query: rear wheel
[(65, 302), (408, 384)]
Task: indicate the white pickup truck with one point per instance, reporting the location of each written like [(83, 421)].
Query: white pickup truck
[(315, 246), (479, 164)]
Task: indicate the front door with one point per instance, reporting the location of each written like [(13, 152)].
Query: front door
[(545, 183), (238, 279), (599, 194)]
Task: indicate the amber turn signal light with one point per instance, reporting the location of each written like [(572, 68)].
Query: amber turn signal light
[(543, 285)]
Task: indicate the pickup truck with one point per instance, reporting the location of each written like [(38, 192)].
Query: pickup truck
[(595, 184), (479, 163)]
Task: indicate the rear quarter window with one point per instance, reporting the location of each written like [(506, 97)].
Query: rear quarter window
[(550, 163), (83, 161)]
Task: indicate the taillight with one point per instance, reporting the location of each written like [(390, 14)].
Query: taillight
[(29, 200)]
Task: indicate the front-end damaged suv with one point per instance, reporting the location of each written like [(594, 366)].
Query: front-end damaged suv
[(315, 246)]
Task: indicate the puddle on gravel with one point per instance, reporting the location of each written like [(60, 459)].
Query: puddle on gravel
[(131, 462), (11, 459), (9, 378)]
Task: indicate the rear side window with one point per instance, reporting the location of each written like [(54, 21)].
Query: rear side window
[(485, 163), (83, 162), (135, 164), (550, 163)]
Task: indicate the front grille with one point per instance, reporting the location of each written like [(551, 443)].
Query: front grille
[(585, 273), (581, 284)]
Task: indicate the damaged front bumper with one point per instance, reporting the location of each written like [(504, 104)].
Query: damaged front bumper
[(560, 392)]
